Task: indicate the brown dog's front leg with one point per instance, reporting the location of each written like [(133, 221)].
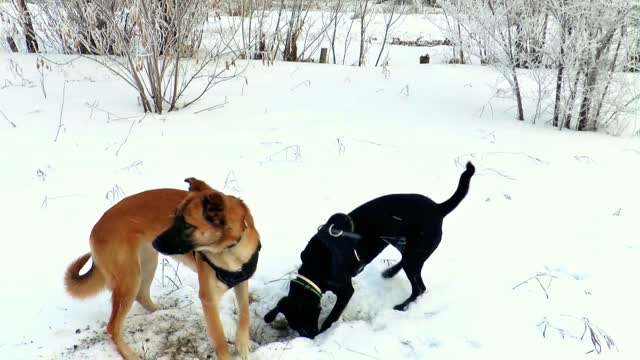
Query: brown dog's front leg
[(242, 335), (209, 297)]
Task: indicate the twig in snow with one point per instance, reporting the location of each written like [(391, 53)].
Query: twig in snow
[(128, 134), (134, 165), (45, 201), (537, 278), (41, 175), (175, 280), (363, 354), (491, 137), (214, 107), (596, 334), (281, 278), (110, 116), (6, 118), (289, 151), (543, 288), (115, 194), (64, 87), (521, 153), (231, 183), (501, 174), (306, 82), (341, 147), (405, 90), (584, 159)]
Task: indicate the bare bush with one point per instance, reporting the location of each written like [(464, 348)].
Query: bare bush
[(154, 46)]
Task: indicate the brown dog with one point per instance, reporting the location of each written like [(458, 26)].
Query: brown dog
[(210, 232)]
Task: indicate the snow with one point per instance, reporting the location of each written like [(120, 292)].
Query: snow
[(298, 142)]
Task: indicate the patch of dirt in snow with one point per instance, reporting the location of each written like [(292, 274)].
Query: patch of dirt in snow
[(178, 331)]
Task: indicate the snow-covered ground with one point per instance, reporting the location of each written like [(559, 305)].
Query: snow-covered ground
[(544, 244)]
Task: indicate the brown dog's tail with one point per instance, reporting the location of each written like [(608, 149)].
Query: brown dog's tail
[(85, 285)]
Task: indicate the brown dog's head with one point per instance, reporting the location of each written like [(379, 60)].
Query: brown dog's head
[(206, 220)]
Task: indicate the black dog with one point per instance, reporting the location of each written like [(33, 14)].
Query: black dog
[(412, 223)]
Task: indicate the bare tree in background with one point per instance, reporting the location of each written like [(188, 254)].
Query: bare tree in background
[(591, 37), (581, 39), (364, 15), (487, 24), (391, 17), (336, 15), (27, 24)]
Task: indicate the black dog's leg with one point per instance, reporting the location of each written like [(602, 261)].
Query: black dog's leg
[(392, 271), (343, 296), (271, 315), (413, 271)]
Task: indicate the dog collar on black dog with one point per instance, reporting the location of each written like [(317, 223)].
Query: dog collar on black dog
[(308, 284), (233, 278), (342, 233)]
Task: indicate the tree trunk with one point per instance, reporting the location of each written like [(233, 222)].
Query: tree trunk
[(333, 36), (12, 44), (516, 88), (520, 56), (362, 32), (30, 34), (559, 77), (571, 102), (584, 122), (612, 70), (514, 74), (538, 53), (461, 52), (386, 33)]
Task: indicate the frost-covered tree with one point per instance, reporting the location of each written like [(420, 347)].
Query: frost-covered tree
[(583, 40)]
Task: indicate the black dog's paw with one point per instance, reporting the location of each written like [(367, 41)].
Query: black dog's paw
[(392, 271), (389, 273), (401, 307), (270, 316)]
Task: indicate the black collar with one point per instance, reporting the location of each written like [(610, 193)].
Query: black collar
[(233, 278)]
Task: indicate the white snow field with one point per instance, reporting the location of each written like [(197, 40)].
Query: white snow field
[(540, 261)]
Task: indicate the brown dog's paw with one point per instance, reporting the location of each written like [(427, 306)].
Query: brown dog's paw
[(243, 344)]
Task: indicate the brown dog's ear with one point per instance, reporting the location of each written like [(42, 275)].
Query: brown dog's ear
[(195, 184), (213, 209)]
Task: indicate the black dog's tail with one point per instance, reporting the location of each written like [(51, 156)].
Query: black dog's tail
[(462, 190)]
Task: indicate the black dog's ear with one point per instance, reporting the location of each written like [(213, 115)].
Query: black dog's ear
[(271, 315), (340, 221)]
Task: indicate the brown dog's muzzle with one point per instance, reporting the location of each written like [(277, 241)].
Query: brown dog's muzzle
[(175, 240)]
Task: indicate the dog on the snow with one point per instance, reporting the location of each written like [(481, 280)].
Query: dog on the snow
[(346, 243), (210, 232)]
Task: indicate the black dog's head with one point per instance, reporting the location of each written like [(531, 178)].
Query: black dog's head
[(324, 263), (206, 220), (301, 308)]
